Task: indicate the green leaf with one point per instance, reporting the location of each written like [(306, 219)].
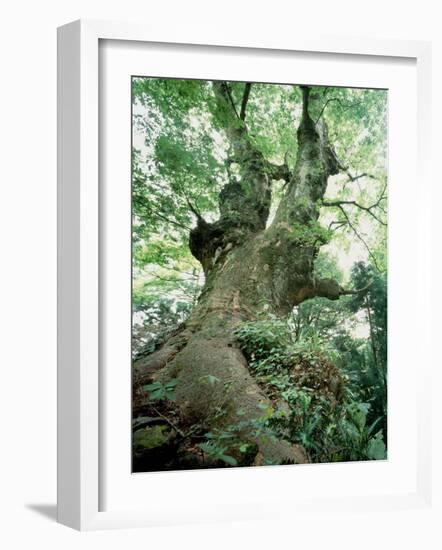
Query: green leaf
[(376, 449), (152, 387), (229, 460)]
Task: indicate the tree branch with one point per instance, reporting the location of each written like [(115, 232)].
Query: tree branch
[(337, 99), (230, 98), (226, 108), (154, 212), (349, 292), (331, 289), (169, 421), (324, 107), (193, 209), (327, 288), (337, 224), (237, 132), (350, 176), (279, 171), (368, 209), (370, 253), (245, 99), (359, 176)]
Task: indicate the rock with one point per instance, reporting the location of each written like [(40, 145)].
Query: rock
[(153, 448), (151, 437)]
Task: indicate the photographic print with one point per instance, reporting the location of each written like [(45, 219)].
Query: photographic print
[(259, 274)]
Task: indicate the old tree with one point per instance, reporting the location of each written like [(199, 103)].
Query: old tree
[(236, 187)]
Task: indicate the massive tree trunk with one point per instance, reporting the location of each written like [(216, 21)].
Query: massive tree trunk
[(253, 269)]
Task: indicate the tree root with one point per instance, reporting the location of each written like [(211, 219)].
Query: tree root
[(215, 388), (146, 366)]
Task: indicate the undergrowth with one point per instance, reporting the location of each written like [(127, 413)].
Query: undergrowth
[(313, 404)]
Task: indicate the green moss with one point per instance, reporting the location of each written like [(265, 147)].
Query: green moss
[(151, 437)]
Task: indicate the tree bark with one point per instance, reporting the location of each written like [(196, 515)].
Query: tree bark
[(252, 270)]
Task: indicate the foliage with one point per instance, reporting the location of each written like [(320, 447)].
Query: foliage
[(324, 408), (369, 365), (158, 317), (261, 338), (215, 452), (324, 368), (158, 391), (230, 438)]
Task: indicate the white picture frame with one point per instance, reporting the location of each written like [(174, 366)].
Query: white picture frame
[(79, 293)]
